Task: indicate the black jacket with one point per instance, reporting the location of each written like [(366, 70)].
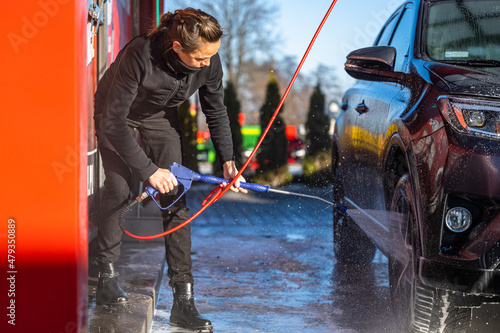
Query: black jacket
[(143, 82)]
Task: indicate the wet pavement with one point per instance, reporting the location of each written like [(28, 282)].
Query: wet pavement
[(265, 263)]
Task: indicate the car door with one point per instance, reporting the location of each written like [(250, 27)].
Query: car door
[(380, 103), (349, 136), (346, 137)]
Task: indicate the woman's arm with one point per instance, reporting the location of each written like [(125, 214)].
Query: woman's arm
[(212, 104), (121, 93)]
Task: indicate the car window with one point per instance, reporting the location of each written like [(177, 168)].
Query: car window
[(463, 31), (386, 34), (402, 37)]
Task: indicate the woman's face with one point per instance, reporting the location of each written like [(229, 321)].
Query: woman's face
[(200, 57)]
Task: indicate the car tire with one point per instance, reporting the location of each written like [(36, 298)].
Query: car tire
[(418, 308), (350, 245)]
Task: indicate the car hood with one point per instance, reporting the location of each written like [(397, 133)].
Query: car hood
[(468, 81)]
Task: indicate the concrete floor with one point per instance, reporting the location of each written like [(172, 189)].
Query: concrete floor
[(265, 263), (262, 263)]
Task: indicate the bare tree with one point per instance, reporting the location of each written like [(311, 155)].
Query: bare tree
[(297, 101), (325, 75), (248, 33), (248, 28)]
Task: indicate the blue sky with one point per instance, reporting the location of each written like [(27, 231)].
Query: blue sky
[(351, 25)]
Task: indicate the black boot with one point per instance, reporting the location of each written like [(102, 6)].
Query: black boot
[(108, 290), (184, 313)]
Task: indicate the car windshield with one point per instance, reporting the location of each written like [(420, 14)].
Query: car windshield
[(463, 32)]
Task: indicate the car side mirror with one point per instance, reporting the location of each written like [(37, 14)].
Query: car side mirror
[(373, 64)]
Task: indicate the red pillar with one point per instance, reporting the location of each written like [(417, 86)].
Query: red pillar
[(43, 199)]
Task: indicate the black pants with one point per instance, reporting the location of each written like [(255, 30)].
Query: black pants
[(162, 141)]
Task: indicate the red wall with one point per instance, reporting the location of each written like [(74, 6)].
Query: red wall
[(44, 165)]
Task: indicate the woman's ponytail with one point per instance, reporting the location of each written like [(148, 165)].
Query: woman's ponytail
[(188, 26), (165, 21)]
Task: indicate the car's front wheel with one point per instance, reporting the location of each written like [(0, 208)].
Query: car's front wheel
[(418, 308)]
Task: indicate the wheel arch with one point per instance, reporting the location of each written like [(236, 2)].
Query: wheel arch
[(398, 161), (395, 164)]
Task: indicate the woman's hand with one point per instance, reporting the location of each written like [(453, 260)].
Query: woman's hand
[(230, 172), (163, 180)]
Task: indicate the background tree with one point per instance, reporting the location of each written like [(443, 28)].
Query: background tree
[(329, 82), (252, 94), (233, 110), (318, 156), (189, 130), (272, 155), (317, 124)]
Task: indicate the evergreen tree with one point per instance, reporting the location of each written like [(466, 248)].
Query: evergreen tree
[(272, 155), (317, 124), (318, 157), (233, 110), (189, 130)]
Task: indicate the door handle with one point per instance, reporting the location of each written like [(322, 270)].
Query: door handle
[(361, 107)]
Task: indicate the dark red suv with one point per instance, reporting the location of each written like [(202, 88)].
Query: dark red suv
[(416, 158)]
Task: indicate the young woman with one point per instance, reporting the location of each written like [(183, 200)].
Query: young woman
[(151, 76)]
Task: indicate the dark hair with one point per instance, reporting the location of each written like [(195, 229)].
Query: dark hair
[(187, 26)]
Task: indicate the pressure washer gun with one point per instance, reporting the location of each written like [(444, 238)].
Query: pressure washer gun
[(186, 177)]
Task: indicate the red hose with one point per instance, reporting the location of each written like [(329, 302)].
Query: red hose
[(218, 191)]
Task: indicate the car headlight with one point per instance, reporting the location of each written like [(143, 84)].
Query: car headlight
[(472, 116)]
